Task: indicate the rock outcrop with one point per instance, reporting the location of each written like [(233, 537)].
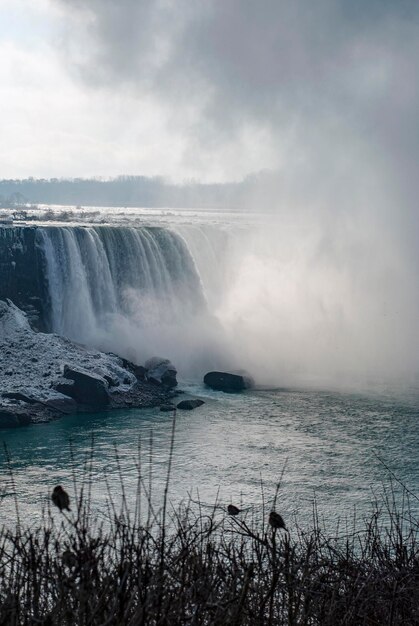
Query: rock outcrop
[(22, 274), (87, 388), (43, 376), (166, 408), (224, 381), (11, 418), (139, 371), (189, 405), (161, 371)]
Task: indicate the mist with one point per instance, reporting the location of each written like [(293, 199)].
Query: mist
[(308, 307), (324, 289)]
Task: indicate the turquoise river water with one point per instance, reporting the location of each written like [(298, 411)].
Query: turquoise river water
[(327, 444)]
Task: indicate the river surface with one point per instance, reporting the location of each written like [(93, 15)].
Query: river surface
[(326, 445)]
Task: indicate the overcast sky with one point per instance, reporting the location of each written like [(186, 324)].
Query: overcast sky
[(209, 89)]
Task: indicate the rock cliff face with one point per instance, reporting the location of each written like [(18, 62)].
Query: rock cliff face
[(43, 376), (22, 274)]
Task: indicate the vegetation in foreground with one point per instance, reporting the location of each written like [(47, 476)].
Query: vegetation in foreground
[(199, 565)]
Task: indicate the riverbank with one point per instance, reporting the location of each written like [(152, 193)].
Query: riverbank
[(44, 376)]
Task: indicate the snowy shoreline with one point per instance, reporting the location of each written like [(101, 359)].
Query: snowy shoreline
[(36, 367)]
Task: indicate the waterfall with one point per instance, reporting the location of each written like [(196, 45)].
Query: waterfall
[(97, 273), (135, 290)]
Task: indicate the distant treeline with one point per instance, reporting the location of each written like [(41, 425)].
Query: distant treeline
[(128, 191)]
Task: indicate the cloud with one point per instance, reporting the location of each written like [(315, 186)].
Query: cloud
[(241, 60), (233, 87), (312, 87)]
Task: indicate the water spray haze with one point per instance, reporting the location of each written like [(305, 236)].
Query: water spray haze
[(326, 292), (194, 341)]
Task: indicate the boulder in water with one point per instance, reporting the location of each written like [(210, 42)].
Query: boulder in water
[(224, 381), (166, 408), (87, 388), (188, 405), (161, 371)]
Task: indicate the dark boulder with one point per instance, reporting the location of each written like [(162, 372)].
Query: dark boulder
[(188, 405), (89, 389), (61, 403), (139, 371), (161, 371), (224, 381), (65, 387), (166, 408), (13, 419)]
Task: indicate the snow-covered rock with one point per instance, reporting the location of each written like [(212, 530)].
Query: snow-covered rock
[(38, 369), (12, 320), (161, 371)]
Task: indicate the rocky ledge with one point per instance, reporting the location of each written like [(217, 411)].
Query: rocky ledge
[(43, 376)]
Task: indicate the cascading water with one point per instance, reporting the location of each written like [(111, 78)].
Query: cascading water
[(210, 247), (93, 273), (132, 290)]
